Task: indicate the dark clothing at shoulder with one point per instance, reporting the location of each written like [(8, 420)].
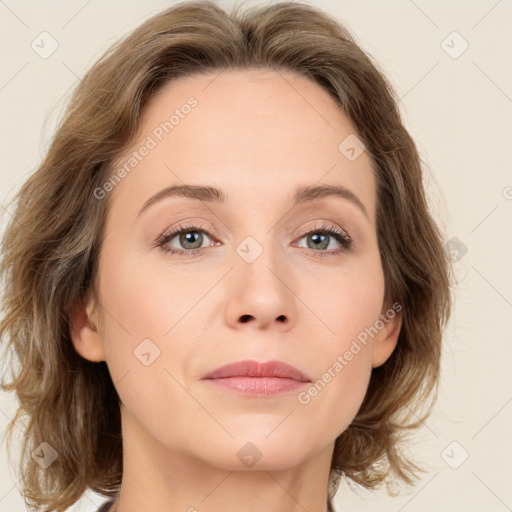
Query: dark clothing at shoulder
[(106, 506)]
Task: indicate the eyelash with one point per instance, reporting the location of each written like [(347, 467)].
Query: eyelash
[(338, 234)]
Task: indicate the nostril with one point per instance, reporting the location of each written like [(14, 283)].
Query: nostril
[(245, 318)]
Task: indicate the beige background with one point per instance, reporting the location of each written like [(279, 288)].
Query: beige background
[(457, 105)]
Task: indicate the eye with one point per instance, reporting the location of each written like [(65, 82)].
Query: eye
[(320, 238), (190, 237)]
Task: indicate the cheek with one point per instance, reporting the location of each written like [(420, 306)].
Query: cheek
[(146, 300), (347, 301), (146, 352), (343, 354), (344, 370), (143, 313)]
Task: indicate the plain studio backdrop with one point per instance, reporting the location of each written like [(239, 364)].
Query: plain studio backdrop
[(451, 69)]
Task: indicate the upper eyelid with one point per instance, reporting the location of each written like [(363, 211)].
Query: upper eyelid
[(323, 226)]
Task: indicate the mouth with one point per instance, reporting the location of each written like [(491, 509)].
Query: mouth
[(257, 379)]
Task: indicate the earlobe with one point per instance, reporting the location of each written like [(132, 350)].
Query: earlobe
[(386, 340), (83, 329)]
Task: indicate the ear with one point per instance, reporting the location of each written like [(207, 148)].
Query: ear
[(385, 341), (83, 322)]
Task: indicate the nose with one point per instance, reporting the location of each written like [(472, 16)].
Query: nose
[(260, 294)]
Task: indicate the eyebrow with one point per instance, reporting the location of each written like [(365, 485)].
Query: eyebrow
[(210, 194)]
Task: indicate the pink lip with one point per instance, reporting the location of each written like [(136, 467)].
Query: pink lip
[(257, 379)]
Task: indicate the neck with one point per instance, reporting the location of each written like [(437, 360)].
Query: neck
[(166, 480)]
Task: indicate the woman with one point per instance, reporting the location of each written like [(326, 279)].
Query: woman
[(223, 283)]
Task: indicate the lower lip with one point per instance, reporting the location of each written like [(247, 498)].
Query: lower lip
[(258, 386)]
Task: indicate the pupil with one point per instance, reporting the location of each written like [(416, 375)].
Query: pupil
[(191, 237), (321, 239)]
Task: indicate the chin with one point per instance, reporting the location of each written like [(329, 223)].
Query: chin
[(255, 453)]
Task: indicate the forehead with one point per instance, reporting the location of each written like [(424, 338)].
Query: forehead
[(260, 130), (251, 100)]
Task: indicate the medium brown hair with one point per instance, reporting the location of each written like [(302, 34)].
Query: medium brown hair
[(51, 247)]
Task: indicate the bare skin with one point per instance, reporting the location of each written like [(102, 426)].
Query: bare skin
[(253, 135)]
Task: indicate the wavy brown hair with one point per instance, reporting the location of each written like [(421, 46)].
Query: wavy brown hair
[(51, 246)]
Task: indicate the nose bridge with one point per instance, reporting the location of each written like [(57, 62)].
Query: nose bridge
[(261, 264), (261, 287)]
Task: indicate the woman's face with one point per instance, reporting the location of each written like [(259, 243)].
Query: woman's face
[(263, 270)]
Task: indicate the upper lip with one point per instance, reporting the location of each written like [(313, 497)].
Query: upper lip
[(250, 368)]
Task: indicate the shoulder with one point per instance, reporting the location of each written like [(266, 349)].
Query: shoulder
[(106, 506)]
